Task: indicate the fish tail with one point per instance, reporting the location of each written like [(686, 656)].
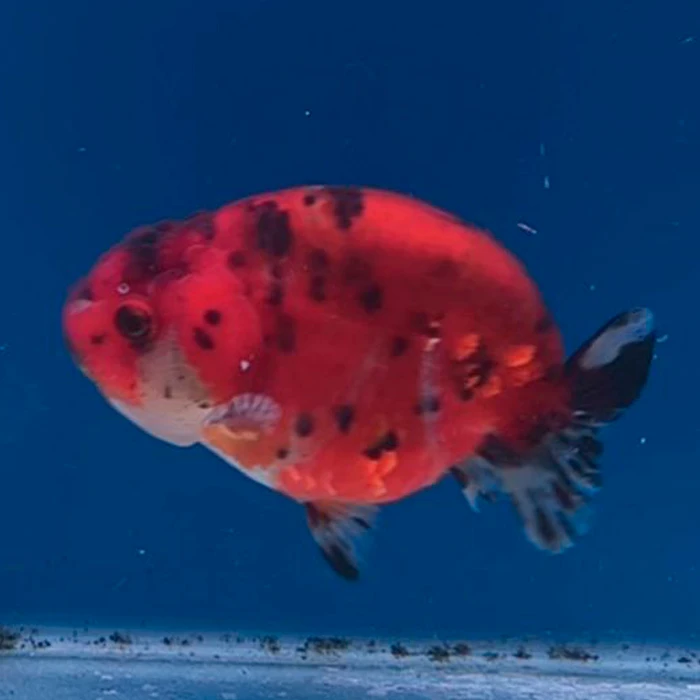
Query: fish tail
[(550, 484)]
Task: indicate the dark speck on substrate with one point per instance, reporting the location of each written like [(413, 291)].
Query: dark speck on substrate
[(271, 644), (324, 645), (399, 651), (684, 660), (119, 638), (438, 653), (490, 655), (522, 653), (8, 639), (571, 654), (461, 649)]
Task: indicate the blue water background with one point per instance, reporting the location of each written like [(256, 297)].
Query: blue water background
[(118, 114)]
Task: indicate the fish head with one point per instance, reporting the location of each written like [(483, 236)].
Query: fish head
[(164, 327)]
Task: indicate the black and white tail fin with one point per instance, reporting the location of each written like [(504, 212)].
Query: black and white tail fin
[(550, 484)]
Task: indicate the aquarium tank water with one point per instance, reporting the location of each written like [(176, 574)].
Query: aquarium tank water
[(136, 564)]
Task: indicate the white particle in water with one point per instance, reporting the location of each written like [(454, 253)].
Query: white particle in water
[(525, 227)]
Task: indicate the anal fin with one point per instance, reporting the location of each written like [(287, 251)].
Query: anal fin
[(336, 528)]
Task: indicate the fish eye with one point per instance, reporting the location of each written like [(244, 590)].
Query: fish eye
[(134, 321)]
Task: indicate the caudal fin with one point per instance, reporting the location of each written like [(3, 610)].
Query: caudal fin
[(550, 485)]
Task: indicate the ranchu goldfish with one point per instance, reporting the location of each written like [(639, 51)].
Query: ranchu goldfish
[(348, 347)]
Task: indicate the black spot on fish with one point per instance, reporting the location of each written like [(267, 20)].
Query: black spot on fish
[(286, 334), (203, 339), (203, 223), (471, 372), (212, 317), (348, 204), (344, 417), (371, 298), (143, 254), (390, 441), (304, 425), (387, 443), (399, 345), (168, 392), (282, 453), (309, 200), (236, 259), (466, 394), (98, 339), (272, 229)]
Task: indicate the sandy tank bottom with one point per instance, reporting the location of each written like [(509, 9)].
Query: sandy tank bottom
[(87, 664)]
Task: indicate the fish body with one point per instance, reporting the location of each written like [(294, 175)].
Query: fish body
[(348, 347)]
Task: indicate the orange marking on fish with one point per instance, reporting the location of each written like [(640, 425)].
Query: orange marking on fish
[(377, 488), (387, 463), (519, 355), (292, 474), (467, 345), (326, 485), (521, 376), (491, 387), (310, 484)]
